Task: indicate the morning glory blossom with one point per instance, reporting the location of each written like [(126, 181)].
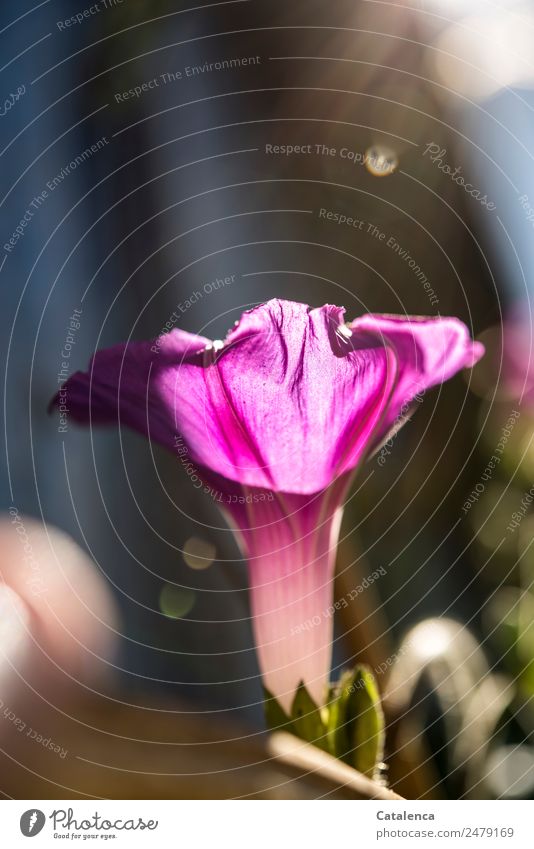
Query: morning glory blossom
[(277, 418)]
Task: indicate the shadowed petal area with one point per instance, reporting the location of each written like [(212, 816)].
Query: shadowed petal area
[(121, 383)]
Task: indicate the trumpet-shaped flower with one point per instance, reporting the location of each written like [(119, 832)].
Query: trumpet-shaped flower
[(277, 418)]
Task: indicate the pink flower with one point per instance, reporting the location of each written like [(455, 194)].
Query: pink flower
[(277, 418)]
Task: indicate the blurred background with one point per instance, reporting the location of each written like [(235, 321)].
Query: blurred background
[(146, 179)]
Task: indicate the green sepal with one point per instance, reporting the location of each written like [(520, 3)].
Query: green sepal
[(307, 720), (356, 722), (275, 716)]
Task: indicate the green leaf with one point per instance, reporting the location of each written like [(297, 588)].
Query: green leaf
[(356, 722), (275, 716), (306, 719)]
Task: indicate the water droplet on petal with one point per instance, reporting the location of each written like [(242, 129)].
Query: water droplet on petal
[(218, 345), (198, 553), (344, 332), (380, 160)]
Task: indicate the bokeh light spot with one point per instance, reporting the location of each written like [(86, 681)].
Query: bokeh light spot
[(380, 161), (198, 553), (176, 602)]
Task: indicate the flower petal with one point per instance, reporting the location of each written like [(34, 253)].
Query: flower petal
[(428, 351), (291, 400), (125, 384), (299, 403), (290, 543)]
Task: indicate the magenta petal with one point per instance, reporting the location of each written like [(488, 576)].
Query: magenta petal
[(298, 403), (290, 542), (122, 385), (291, 400), (428, 351)]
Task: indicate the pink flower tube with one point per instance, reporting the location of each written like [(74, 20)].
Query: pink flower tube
[(277, 418)]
